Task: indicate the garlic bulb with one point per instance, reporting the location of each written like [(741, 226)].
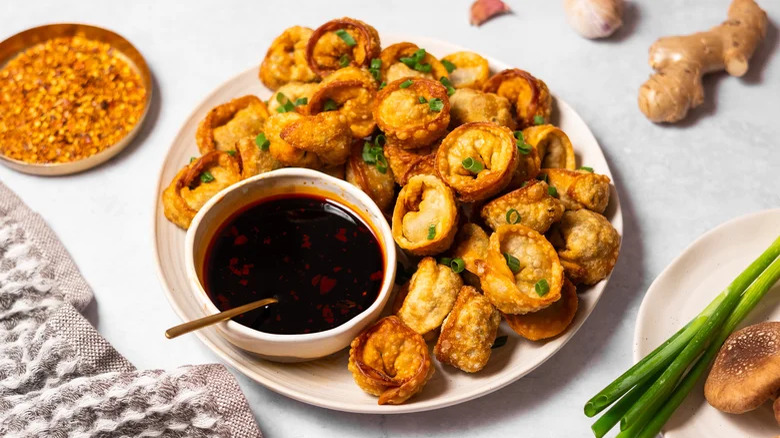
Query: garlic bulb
[(594, 18)]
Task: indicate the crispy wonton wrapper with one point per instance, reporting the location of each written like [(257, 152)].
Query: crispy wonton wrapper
[(407, 163), (430, 296), (529, 95), (587, 244), (326, 48), (425, 217), (579, 189), (471, 70), (254, 160), (281, 150), (228, 123), (515, 292), (406, 114), (550, 321), (196, 183), (471, 244), (552, 145), (468, 332), (291, 92), (493, 146), (531, 206), (285, 60), (393, 69), (378, 186), (467, 105), (352, 97), (391, 361)]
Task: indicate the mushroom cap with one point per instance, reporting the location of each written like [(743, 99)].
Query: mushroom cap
[(746, 372)]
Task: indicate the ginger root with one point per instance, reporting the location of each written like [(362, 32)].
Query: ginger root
[(680, 61)]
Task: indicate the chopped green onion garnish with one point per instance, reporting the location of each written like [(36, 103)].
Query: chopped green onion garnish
[(539, 120), (436, 104), (512, 216), (415, 61), (262, 142), (381, 164), (445, 261), (376, 65), (525, 183), (192, 159), (431, 231), (472, 165), (499, 342), (457, 265), (232, 153), (447, 83), (542, 177), (373, 154), (524, 148), (552, 191), (330, 105), (406, 84), (206, 177), (512, 262), (286, 107), (369, 153), (380, 140), (421, 99), (424, 68), (382, 85), (586, 169), (542, 287), (448, 65), (346, 37), (301, 101), (344, 60), (281, 98)]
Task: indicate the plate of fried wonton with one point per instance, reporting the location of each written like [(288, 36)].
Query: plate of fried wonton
[(496, 191)]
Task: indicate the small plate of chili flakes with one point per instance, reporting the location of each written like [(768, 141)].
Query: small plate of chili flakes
[(72, 96)]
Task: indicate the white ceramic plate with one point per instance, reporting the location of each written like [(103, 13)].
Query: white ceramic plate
[(326, 382), (683, 289)]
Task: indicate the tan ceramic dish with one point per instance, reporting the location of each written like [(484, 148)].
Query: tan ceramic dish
[(326, 382), (30, 37)]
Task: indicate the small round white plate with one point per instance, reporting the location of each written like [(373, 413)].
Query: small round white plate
[(327, 382), (683, 289)]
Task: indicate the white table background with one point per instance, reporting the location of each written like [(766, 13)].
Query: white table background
[(675, 182)]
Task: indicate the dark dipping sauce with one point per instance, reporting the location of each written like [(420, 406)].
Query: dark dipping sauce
[(318, 258)]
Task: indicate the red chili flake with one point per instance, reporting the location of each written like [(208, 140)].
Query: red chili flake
[(306, 266), (327, 315), (364, 293), (286, 259), (233, 231), (267, 241), (316, 279), (278, 317), (243, 282), (224, 302), (375, 276), (240, 240), (306, 242), (341, 235), (294, 295), (327, 284), (337, 269), (246, 268)]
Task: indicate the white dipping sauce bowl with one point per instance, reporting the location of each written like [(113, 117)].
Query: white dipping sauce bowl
[(221, 207)]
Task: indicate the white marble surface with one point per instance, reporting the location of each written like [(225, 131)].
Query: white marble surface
[(675, 182)]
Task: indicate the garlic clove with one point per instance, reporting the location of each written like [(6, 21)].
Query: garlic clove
[(594, 18), (484, 10)]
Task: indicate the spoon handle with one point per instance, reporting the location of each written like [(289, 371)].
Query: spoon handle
[(215, 318)]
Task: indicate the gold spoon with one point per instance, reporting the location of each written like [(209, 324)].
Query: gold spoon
[(215, 318)]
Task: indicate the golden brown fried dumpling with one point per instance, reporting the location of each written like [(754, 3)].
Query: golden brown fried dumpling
[(467, 105), (522, 272), (529, 95), (285, 60), (552, 145), (471, 244), (550, 321), (587, 244), (468, 332), (338, 171), (490, 148), (326, 134), (281, 150), (390, 360), (374, 179), (531, 206), (342, 40), (528, 167), (471, 70), (393, 66), (291, 92), (413, 112), (255, 159), (430, 297), (425, 216), (225, 124), (407, 163), (579, 188), (196, 183), (351, 94)]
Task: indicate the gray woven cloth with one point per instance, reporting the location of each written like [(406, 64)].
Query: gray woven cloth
[(60, 378)]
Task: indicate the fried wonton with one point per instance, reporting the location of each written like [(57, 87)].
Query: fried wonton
[(531, 206), (579, 188), (468, 332), (225, 124), (552, 145), (529, 95), (407, 163), (340, 41), (290, 94), (281, 150), (522, 272), (587, 244), (390, 360), (353, 99), (467, 105), (425, 216), (415, 112), (471, 70), (430, 296), (375, 179), (326, 134), (528, 167), (550, 321), (254, 159), (196, 183), (471, 244), (285, 60), (489, 148), (398, 61)]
